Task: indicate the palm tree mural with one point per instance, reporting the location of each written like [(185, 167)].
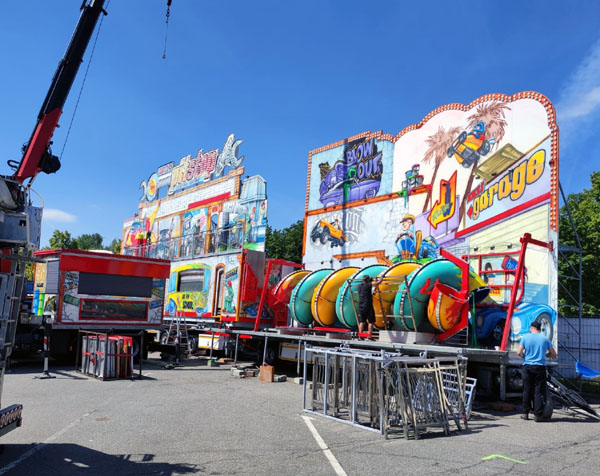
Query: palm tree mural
[(437, 144), (492, 115)]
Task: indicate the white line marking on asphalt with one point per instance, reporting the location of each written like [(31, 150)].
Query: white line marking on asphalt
[(39, 446), (326, 451)]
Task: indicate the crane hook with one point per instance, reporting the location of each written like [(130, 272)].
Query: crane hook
[(167, 27)]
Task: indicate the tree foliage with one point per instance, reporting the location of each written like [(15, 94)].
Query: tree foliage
[(585, 212), (62, 240), (87, 241), (90, 241), (115, 246), (286, 243)]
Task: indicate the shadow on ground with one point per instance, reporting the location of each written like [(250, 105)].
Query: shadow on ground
[(71, 459)]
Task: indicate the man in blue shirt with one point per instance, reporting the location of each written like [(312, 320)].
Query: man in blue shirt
[(533, 348)]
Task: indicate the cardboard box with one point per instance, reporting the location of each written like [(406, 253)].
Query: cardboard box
[(266, 373)]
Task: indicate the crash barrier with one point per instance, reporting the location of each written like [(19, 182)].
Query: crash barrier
[(388, 392), (105, 356)]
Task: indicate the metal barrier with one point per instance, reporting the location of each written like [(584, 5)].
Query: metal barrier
[(387, 392), (108, 356)]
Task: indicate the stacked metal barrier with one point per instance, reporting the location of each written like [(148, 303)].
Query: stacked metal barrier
[(386, 392)]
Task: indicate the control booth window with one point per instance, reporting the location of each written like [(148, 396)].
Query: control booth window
[(115, 285), (113, 310), (191, 280)]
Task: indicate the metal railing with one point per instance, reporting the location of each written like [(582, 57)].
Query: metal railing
[(196, 245)]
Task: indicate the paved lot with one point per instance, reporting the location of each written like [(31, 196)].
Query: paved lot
[(201, 420)]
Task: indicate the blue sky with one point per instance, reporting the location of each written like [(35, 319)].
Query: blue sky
[(286, 77)]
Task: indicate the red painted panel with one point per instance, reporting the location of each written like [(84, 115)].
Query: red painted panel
[(216, 198), (107, 264), (502, 216)]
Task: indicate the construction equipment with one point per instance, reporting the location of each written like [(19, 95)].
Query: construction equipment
[(20, 222)]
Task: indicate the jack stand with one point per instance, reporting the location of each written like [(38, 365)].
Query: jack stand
[(45, 373)]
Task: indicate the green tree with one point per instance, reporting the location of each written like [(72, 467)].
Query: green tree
[(585, 212), (62, 240), (115, 246), (286, 243), (90, 241)]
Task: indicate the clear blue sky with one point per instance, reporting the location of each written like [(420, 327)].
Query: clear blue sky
[(286, 77)]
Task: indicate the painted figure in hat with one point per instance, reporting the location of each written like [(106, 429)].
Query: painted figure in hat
[(405, 242)]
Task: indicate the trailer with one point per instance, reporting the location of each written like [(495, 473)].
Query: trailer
[(75, 290), (467, 260)]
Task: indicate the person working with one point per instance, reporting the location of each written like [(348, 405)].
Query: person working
[(366, 312), (533, 348)]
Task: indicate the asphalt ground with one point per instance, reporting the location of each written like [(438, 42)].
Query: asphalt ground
[(197, 419)]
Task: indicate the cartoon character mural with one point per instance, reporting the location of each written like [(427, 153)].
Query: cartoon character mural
[(355, 177), (487, 173), (139, 235), (188, 289), (255, 225), (262, 214), (405, 243), (228, 304)]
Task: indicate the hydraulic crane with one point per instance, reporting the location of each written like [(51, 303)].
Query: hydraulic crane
[(20, 222)]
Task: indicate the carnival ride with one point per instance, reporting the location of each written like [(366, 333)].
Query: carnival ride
[(440, 297)]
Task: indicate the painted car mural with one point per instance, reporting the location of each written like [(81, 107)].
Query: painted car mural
[(356, 177), (324, 232), (490, 322), (468, 148)]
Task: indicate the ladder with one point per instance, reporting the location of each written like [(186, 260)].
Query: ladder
[(11, 288), (177, 334)]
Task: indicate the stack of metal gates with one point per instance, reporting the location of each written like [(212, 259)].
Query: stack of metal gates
[(106, 356), (387, 392)]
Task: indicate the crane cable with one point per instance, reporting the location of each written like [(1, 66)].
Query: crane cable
[(167, 28), (83, 82)]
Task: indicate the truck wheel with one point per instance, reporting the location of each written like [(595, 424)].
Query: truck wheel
[(164, 337), (270, 356), (324, 236)]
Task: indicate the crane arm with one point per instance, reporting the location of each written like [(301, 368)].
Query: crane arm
[(36, 154)]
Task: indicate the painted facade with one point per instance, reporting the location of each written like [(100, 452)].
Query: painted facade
[(471, 179), (201, 215)]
